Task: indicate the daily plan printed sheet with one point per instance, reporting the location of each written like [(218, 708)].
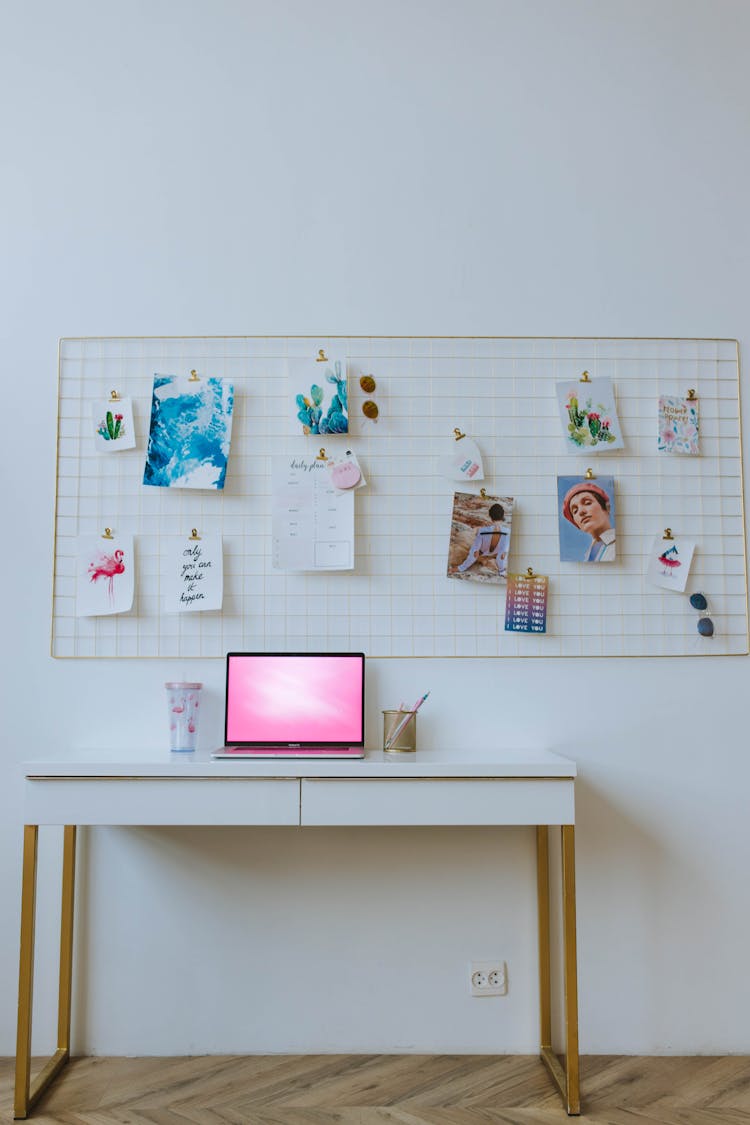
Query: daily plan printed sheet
[(313, 522)]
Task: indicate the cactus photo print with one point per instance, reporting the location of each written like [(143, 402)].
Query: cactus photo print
[(589, 417), (191, 430), (113, 425), (319, 395)]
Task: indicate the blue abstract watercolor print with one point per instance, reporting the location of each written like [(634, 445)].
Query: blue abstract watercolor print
[(191, 429)]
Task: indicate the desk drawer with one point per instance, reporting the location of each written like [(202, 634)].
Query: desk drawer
[(163, 801), (433, 802)]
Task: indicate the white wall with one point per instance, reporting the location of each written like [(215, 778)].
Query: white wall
[(490, 167)]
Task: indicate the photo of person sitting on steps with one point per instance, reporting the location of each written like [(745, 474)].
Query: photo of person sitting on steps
[(480, 537)]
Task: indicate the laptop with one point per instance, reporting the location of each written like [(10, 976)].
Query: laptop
[(294, 705)]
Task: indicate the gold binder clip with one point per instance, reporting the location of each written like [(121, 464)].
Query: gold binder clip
[(322, 455), (584, 378), (529, 572), (108, 533), (483, 493), (458, 434), (589, 474), (321, 357), (194, 533), (194, 377), (691, 395), (667, 533), (113, 396)]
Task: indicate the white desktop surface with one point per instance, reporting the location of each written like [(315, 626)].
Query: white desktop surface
[(376, 764)]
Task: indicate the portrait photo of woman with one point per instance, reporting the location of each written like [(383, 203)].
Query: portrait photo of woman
[(586, 519)]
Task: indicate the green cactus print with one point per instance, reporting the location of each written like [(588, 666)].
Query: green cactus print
[(586, 426), (112, 427)]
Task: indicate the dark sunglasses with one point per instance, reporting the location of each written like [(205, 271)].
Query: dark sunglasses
[(369, 408), (705, 624)]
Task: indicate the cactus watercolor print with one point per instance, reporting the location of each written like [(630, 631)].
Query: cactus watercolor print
[(589, 416), (191, 431), (105, 580), (678, 425), (319, 396), (113, 425)]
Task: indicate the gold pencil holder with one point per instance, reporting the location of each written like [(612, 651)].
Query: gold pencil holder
[(406, 741)]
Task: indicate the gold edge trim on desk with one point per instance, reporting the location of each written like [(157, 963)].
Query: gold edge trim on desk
[(152, 777), (291, 777), (445, 777)]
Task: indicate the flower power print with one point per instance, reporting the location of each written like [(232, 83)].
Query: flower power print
[(678, 425)]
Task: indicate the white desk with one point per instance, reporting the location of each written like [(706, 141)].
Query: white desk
[(505, 787)]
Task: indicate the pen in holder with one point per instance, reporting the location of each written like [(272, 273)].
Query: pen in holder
[(400, 732)]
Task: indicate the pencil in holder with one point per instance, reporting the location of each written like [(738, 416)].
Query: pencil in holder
[(405, 741)]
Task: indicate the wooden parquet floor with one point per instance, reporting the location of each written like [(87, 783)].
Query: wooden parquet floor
[(387, 1090)]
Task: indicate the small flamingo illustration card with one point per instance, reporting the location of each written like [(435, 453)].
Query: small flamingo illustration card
[(194, 574), (669, 562), (105, 577), (589, 416), (678, 425), (113, 425)]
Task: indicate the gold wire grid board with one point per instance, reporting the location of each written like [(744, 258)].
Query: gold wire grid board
[(398, 600)]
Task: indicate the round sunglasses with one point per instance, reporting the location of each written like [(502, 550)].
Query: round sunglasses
[(705, 624), (369, 408)]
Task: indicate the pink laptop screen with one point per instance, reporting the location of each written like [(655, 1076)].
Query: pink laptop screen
[(280, 698)]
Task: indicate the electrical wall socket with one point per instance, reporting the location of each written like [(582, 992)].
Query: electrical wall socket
[(488, 978)]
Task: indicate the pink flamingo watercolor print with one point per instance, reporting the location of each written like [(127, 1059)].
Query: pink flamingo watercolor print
[(105, 575), (669, 560), (107, 566)]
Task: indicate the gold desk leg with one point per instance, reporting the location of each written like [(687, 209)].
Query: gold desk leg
[(26, 971), (66, 938), (542, 887), (570, 968), (566, 1079), (27, 1093)]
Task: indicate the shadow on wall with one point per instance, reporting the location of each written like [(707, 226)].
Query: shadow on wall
[(637, 889)]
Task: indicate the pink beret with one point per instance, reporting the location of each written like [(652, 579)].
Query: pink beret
[(582, 486)]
